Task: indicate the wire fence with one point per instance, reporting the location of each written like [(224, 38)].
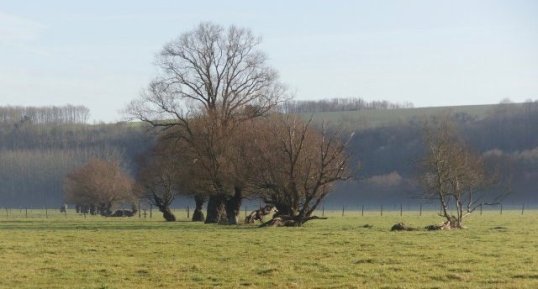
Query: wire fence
[(332, 210)]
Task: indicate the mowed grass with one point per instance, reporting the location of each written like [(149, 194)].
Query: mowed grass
[(495, 251)]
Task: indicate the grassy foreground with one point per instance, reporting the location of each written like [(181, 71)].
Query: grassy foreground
[(72, 252)]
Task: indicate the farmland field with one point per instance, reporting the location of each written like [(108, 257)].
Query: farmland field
[(495, 251)]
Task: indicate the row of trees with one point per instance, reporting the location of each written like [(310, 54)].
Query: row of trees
[(44, 115), (338, 104)]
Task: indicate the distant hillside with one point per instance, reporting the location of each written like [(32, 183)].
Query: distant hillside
[(372, 118), (388, 144), (36, 152)]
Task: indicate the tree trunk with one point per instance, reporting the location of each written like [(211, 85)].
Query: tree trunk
[(216, 209), (233, 206), (164, 207), (198, 214), (167, 214)]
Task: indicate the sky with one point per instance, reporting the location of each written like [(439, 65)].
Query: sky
[(101, 54)]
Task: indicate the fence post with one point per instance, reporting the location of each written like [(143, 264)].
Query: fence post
[(188, 213), (401, 209), (323, 210), (46, 213), (522, 208), (343, 207), (420, 210), (501, 208), (26, 212), (362, 210), (381, 210)]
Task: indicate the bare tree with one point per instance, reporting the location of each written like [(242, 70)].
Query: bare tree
[(212, 79), (160, 175), (98, 185), (295, 167), (453, 174)]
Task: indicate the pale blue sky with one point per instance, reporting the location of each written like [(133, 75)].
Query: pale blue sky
[(100, 53)]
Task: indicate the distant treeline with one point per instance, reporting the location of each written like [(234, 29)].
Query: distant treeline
[(37, 151), (389, 155), (338, 104), (35, 157), (44, 115)]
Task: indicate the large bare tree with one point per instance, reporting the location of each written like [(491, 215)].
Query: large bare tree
[(295, 166), (454, 174), (212, 79)]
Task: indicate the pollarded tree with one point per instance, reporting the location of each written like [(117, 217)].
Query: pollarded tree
[(295, 166), (218, 74), (98, 184), (453, 174)]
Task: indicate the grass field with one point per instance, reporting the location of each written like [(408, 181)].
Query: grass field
[(495, 251)]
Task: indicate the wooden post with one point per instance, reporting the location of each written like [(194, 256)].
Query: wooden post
[(362, 210), (501, 208), (26, 212), (188, 213), (323, 210), (343, 207), (46, 213), (420, 210), (522, 208), (381, 210), (139, 210), (401, 209)]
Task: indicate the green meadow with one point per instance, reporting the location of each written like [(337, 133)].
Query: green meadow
[(495, 251)]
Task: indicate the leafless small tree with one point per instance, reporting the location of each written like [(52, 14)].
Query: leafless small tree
[(98, 185), (160, 175), (453, 174)]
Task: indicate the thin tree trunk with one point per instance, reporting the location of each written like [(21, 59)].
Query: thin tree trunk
[(198, 215)]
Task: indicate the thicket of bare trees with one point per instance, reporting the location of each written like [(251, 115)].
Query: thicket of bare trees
[(97, 186), (212, 79)]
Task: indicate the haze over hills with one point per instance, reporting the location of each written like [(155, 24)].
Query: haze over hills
[(36, 153)]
